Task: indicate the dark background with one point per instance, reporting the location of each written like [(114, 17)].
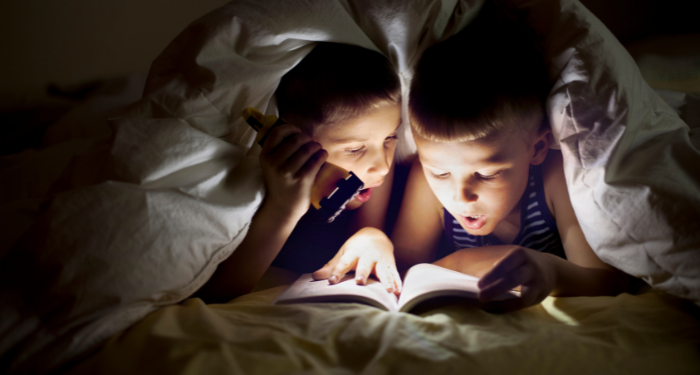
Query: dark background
[(56, 53), (67, 41)]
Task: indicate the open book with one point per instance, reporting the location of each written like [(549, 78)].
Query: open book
[(423, 282)]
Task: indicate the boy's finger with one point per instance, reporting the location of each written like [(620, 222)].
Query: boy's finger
[(511, 261), (397, 280), (312, 164), (517, 277), (276, 136), (528, 295), (532, 294), (486, 293), (363, 269), (384, 275), (300, 157), (288, 147), (345, 264), (513, 279), (324, 272)]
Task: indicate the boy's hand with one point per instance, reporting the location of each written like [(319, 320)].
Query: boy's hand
[(531, 270), (290, 161), (369, 251)]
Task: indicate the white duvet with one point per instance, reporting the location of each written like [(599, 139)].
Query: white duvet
[(181, 181)]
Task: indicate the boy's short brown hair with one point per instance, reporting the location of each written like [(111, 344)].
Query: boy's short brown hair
[(335, 83), (487, 78)]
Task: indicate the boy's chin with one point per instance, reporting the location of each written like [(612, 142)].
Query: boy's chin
[(481, 232)]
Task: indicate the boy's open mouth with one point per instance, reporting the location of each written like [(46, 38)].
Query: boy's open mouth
[(364, 195), (474, 221)]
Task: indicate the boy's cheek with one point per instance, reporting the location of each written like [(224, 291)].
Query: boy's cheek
[(443, 193), (445, 198), (345, 164)]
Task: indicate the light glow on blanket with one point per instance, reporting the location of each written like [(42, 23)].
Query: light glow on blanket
[(557, 313)]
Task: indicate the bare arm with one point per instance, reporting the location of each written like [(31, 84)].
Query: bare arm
[(290, 162), (476, 261), (419, 225), (506, 267), (591, 276), (239, 273), (566, 278)]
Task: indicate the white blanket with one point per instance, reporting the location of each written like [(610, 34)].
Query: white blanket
[(630, 161), (179, 186), (182, 182)]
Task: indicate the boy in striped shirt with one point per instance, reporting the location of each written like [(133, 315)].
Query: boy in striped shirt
[(486, 178)]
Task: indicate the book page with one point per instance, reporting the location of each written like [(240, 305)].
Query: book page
[(306, 290), (424, 281)]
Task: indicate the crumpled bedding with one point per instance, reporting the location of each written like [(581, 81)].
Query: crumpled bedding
[(139, 221), (645, 334), (630, 162)]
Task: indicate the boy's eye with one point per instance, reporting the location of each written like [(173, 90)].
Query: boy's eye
[(355, 151), (389, 140), (440, 176), (488, 177)]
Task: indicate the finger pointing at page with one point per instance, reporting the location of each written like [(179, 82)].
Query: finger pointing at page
[(347, 263), (363, 270), (386, 277)]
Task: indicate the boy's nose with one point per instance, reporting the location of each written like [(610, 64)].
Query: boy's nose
[(381, 164), (465, 193)]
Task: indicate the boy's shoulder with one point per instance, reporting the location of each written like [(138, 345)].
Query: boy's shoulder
[(554, 181)]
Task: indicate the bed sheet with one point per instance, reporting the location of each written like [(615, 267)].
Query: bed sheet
[(646, 334)]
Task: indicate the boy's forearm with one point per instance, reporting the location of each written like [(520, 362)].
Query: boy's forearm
[(571, 279), (574, 280), (238, 274), (475, 261)]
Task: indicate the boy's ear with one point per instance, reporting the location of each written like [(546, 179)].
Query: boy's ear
[(540, 146)]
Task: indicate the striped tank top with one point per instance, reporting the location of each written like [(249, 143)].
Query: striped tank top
[(538, 230)]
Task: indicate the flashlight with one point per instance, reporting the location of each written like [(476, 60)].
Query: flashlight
[(333, 188)]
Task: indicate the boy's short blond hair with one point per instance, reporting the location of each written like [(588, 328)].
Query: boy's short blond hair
[(335, 83), (488, 78)]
